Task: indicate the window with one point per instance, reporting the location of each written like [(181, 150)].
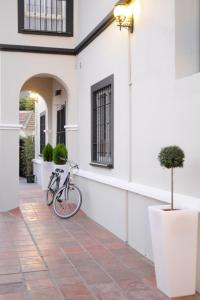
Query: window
[(102, 95), (42, 132), (46, 16), (60, 139)]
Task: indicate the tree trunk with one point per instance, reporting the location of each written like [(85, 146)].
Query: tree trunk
[(172, 189)]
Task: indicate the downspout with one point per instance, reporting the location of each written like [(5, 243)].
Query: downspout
[(129, 131)]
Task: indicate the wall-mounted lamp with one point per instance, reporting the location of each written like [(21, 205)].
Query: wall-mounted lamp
[(123, 14)]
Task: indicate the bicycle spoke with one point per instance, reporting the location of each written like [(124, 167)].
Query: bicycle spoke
[(67, 202)]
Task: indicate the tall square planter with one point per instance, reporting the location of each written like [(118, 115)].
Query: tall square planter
[(46, 170), (174, 241)]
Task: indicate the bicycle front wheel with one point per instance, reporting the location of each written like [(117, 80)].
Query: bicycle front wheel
[(53, 187), (67, 201)]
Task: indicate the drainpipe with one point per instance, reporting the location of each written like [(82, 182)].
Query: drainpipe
[(129, 130)]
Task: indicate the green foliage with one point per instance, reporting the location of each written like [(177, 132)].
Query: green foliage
[(171, 157), (27, 103), (60, 151), (47, 153), (27, 155), (21, 157)]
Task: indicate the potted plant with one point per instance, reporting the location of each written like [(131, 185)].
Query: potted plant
[(28, 155), (47, 153), (47, 165), (174, 237), (60, 156)]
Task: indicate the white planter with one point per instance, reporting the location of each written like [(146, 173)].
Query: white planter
[(174, 240), (46, 170), (42, 171)]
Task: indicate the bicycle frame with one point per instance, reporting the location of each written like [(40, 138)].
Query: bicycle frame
[(57, 176), (67, 179)]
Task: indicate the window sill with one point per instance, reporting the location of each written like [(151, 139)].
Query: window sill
[(102, 165), (27, 31)]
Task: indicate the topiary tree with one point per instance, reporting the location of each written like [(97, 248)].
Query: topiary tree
[(47, 153), (171, 157), (60, 154)]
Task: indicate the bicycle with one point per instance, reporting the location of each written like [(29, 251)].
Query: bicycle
[(53, 185), (67, 199)]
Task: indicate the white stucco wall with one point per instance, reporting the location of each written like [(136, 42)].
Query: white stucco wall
[(90, 13), (40, 107), (187, 37), (164, 111)]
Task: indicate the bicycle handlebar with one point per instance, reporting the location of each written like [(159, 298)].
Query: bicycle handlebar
[(71, 163)]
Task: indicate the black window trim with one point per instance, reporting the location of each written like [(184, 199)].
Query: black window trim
[(42, 114), (69, 21), (63, 131), (94, 88)]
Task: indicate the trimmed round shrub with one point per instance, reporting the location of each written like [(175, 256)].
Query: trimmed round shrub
[(60, 154), (171, 157), (47, 153)]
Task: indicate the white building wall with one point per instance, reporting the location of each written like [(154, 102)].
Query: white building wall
[(40, 107), (90, 13), (187, 37), (164, 111)]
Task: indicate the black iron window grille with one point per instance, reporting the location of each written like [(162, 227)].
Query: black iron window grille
[(46, 16), (102, 122), (60, 137), (42, 131)]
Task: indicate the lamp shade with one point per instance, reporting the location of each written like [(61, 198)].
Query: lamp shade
[(120, 10)]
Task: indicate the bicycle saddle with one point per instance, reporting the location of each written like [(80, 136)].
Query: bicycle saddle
[(59, 170)]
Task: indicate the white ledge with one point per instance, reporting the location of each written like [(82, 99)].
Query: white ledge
[(37, 161), (71, 127), (10, 126), (144, 190)]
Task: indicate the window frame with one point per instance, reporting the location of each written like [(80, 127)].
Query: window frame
[(94, 89), (63, 106), (69, 22), (43, 114)]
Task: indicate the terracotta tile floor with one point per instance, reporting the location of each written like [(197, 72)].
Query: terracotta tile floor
[(43, 257)]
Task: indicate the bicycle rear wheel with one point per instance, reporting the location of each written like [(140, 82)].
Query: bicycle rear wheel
[(52, 188), (67, 201)]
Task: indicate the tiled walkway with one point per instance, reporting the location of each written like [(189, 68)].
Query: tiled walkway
[(44, 257)]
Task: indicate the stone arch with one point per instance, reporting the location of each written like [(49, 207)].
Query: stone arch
[(45, 85)]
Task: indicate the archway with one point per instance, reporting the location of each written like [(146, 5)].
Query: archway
[(50, 94)]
